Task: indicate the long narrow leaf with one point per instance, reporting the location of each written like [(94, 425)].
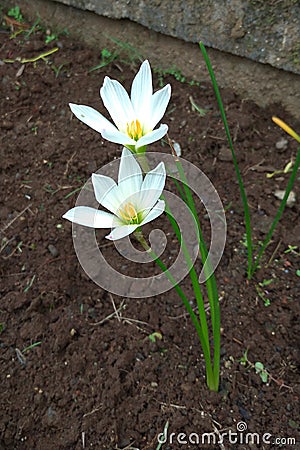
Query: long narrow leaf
[(211, 284), (186, 303), (235, 163), (279, 212)]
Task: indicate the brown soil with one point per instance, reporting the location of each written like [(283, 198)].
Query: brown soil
[(103, 384)]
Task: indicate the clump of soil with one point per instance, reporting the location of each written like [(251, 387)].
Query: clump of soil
[(70, 378)]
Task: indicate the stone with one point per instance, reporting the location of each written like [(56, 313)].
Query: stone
[(7, 125), (281, 144), (265, 31), (225, 154), (53, 250), (244, 76), (291, 200)]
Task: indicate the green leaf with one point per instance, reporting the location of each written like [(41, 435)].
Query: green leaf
[(260, 369), (154, 336)]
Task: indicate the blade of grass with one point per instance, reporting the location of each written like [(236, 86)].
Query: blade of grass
[(164, 434), (279, 212), (30, 347), (236, 167)]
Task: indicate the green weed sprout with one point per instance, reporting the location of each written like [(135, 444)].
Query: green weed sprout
[(253, 261), (260, 369), (16, 14), (107, 57)]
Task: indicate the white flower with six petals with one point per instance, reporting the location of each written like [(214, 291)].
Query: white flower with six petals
[(132, 202), (134, 117)]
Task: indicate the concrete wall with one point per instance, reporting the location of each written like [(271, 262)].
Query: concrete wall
[(261, 83), (267, 31)]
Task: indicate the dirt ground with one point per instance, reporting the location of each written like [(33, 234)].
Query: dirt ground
[(73, 374)]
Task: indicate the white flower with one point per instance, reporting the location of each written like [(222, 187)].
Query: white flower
[(132, 202), (135, 117)]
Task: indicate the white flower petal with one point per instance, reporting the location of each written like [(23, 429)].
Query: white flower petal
[(130, 175), (116, 136), (102, 184), (141, 90), (117, 102), (91, 117), (104, 189), (90, 217), (122, 231), (159, 105), (153, 136), (156, 178), (155, 212), (146, 201), (113, 196), (152, 187), (113, 199)]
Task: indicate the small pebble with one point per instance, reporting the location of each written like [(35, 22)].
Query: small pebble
[(177, 148), (50, 415), (225, 154), (7, 125), (139, 357), (53, 250), (244, 413), (281, 144), (291, 200)]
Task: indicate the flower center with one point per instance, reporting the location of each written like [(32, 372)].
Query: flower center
[(134, 130), (129, 213)]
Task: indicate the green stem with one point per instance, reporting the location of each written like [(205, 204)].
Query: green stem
[(194, 280), (209, 372), (211, 284)]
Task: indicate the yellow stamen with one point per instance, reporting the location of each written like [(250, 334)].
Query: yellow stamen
[(129, 213), (286, 128), (134, 130)]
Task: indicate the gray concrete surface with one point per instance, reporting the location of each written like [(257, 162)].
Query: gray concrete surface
[(267, 31), (261, 83)]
